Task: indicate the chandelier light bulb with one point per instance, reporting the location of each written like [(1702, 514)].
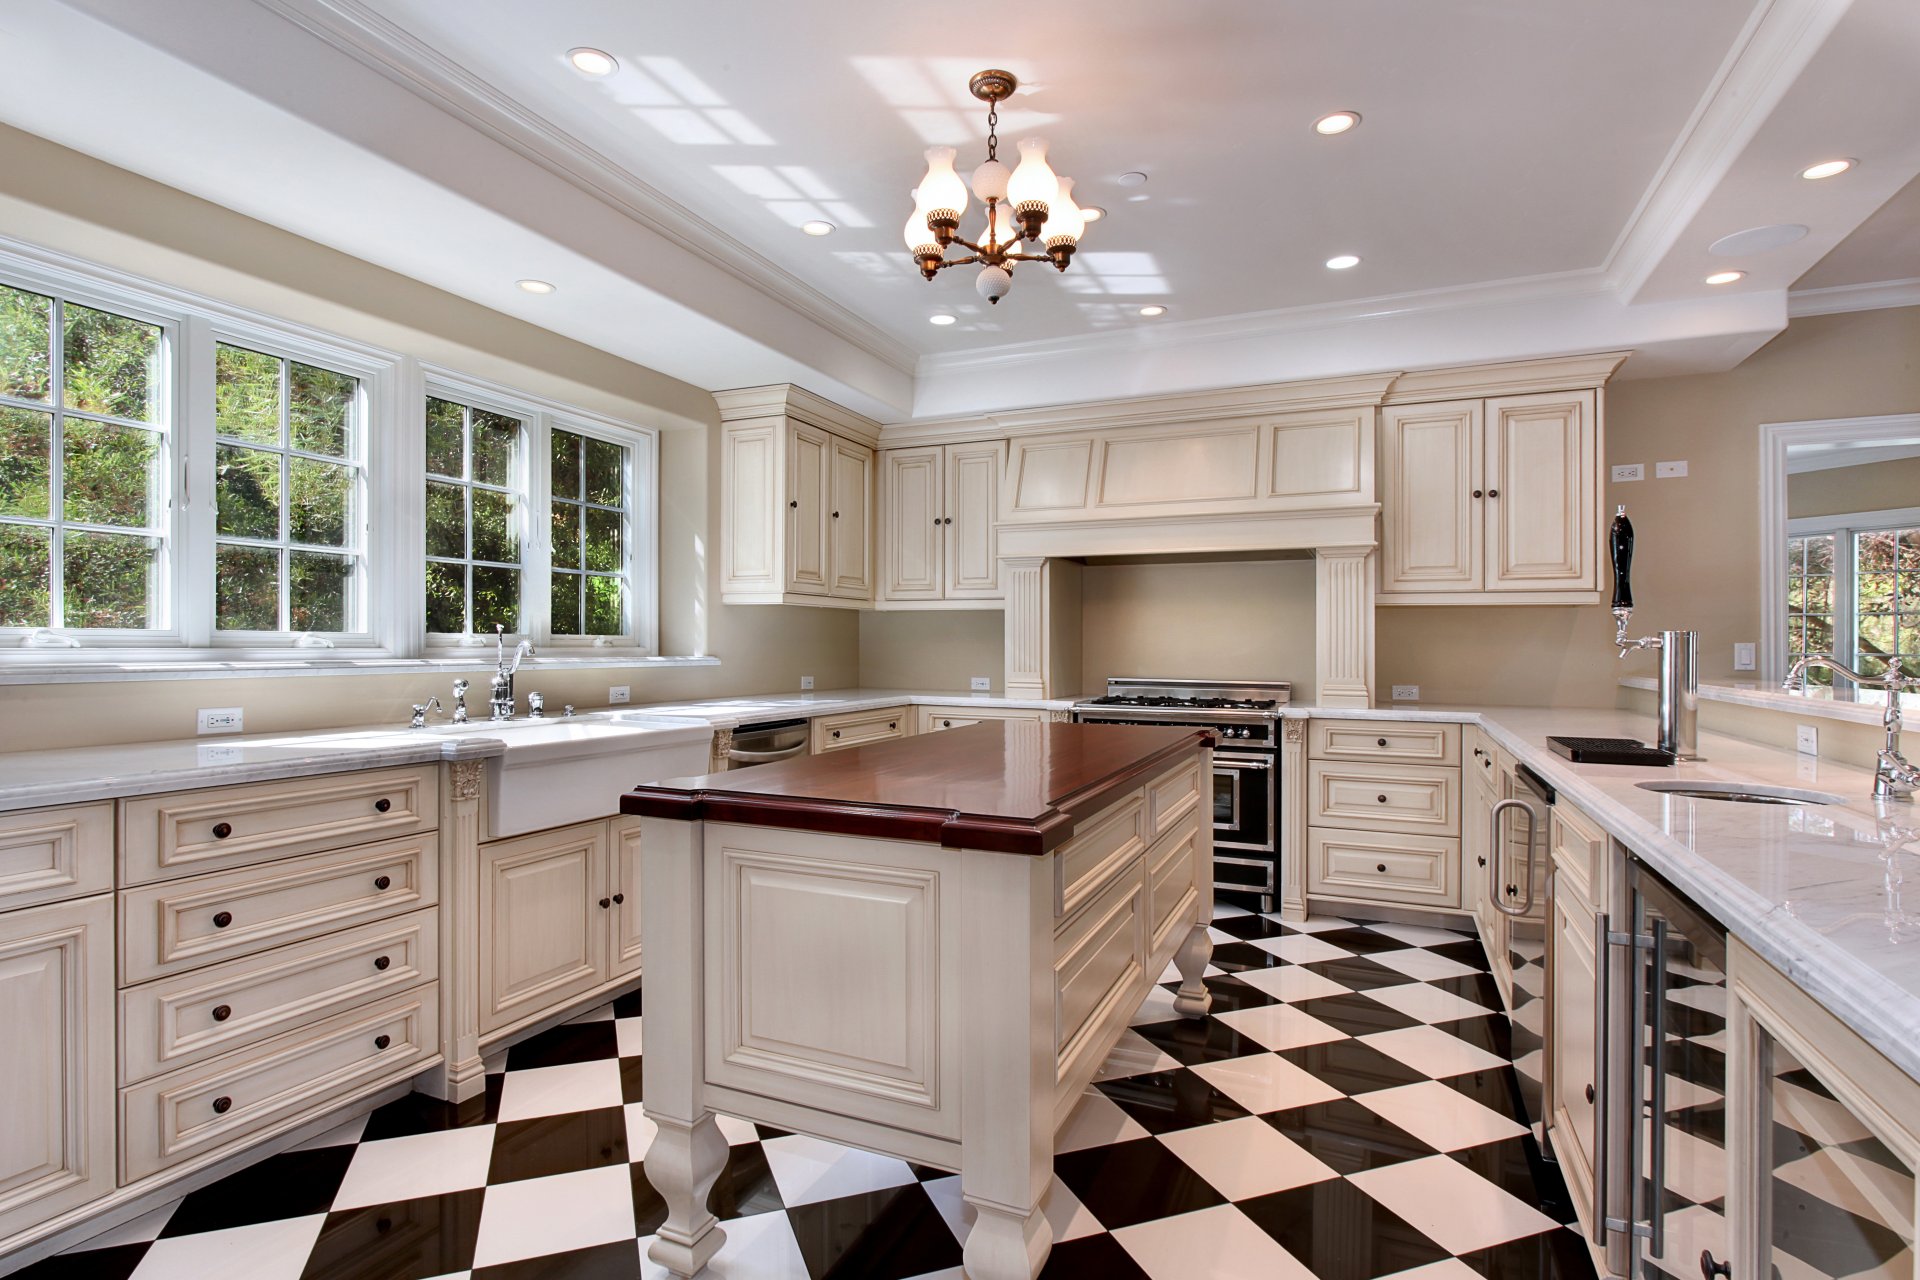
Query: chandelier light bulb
[(920, 241), (941, 192), (1065, 223), (1003, 230), (1034, 186), (990, 181), (993, 283)]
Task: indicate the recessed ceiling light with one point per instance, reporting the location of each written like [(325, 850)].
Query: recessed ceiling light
[(536, 286), (1092, 212), (1337, 122), (817, 227), (1342, 262), (592, 62), (941, 318), (1133, 178), (1826, 169), (1151, 311), (1726, 277)]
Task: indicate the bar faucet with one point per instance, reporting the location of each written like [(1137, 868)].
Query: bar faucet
[(1679, 711), (420, 710), (1893, 777), (500, 694), (460, 688)]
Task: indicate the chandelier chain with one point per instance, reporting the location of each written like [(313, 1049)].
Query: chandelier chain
[(993, 130)]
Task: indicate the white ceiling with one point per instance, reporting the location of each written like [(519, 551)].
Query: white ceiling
[(1531, 177)]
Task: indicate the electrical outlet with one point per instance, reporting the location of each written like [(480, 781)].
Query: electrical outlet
[(806, 682), (1406, 693), (980, 684), (619, 693), (221, 719), (1629, 471), (1806, 740), (1743, 656), (1669, 470)]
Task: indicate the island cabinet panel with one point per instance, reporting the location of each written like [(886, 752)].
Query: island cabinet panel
[(825, 982), (545, 937), (1096, 852), (1173, 880), (47, 855), (1099, 957), (56, 1059)]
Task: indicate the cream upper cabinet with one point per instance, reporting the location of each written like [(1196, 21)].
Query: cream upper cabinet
[(940, 513), (1491, 500), (797, 500)]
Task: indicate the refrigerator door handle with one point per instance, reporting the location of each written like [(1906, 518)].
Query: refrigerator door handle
[(1602, 1061), (1548, 1098), (1656, 1225)]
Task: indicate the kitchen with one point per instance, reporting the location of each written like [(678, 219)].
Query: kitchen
[(1121, 711)]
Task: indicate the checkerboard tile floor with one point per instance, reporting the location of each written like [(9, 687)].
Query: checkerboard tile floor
[(1348, 1111)]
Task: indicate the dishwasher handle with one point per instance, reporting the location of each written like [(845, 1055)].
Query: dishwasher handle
[(1497, 877), (737, 756)]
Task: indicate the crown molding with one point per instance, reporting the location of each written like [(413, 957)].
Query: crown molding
[(1835, 299), (357, 30), (1514, 378), (784, 400)]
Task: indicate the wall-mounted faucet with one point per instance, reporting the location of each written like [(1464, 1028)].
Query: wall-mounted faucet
[(1893, 777), (420, 710), (500, 696), (460, 688), (1679, 652)]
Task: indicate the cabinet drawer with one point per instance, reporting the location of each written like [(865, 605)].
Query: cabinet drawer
[(1578, 848), (188, 832), (47, 855), (850, 729), (1084, 864), (1172, 796), (934, 719), (1098, 959), (281, 1083), (1173, 878), (1409, 742), (1384, 866), (1412, 796), (178, 925), (191, 1017)]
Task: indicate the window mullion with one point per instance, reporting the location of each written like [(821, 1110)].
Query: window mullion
[(195, 506), (536, 524)]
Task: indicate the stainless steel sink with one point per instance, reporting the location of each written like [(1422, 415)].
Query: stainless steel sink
[(1741, 793)]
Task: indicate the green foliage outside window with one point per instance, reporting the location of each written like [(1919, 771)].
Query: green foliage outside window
[(473, 497)]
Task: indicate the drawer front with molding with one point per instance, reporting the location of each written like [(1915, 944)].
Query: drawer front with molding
[(934, 719), (1173, 878), (1098, 958), (49, 855), (835, 733), (1409, 796), (189, 832), (191, 1017), (285, 1081), (1085, 863), (1579, 850), (1172, 796), (1384, 866), (177, 925), (1402, 741)]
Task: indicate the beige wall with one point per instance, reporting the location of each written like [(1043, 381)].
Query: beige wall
[(1879, 486), (1698, 561), (937, 650), (57, 198)]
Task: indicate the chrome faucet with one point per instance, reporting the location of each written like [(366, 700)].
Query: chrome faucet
[(460, 688), (1893, 777), (1679, 711), (420, 710), (500, 693)]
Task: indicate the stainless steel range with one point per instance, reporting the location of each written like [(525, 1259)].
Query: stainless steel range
[(1246, 779)]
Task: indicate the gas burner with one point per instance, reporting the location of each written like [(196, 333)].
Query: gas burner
[(1206, 704)]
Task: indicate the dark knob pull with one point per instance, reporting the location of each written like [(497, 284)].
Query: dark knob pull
[(1711, 1267), (605, 903), (893, 724), (1381, 741), (222, 1012), (222, 1105), (1476, 493), (836, 733), (381, 962), (1513, 891), (1589, 1093), (382, 1041), (1381, 799), (794, 505), (946, 724), (936, 521), (1482, 861), (221, 831), (221, 919), (383, 883), (382, 805), (1493, 493), (1381, 868), (836, 515), (948, 520), (619, 897)]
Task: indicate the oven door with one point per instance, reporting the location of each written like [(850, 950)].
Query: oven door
[(1243, 801)]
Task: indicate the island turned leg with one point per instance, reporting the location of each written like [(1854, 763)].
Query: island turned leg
[(1193, 999), (683, 1163)]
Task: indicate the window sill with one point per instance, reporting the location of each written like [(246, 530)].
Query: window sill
[(64, 669)]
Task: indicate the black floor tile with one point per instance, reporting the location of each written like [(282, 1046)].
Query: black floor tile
[(1357, 973), (1828, 1238), (1371, 1240), (430, 1236), (1235, 956), (1480, 988), (1466, 952), (1363, 941), (1353, 1067), (617, 1261), (116, 1263), (1356, 1014), (1495, 1035), (1130, 1182), (880, 1235), (1496, 1088), (649, 1208), (417, 1113), (566, 1143), (1168, 1100), (1348, 1137), (565, 1044), (631, 1089), (628, 1005), (1091, 1258), (1559, 1254), (745, 1186), (1195, 1040), (1250, 927), (1516, 1166), (292, 1184), (1229, 993)]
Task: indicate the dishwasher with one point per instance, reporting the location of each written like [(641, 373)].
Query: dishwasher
[(767, 742)]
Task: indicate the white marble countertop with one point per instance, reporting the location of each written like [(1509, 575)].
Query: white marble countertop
[(1816, 890)]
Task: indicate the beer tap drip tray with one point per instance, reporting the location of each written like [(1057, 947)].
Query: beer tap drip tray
[(1610, 751)]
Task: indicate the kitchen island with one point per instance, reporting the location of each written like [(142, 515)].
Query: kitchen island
[(924, 948)]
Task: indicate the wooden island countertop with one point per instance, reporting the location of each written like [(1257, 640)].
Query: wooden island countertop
[(997, 786)]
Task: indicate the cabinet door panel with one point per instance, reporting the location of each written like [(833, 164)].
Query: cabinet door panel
[(808, 467), (1540, 464), (912, 536), (751, 515), (850, 520), (1571, 1042), (973, 515), (623, 885), (545, 936), (1432, 526)]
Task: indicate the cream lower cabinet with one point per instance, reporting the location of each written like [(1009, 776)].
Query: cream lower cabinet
[(559, 918), (933, 719), (939, 516), (853, 728), (1492, 501), (1571, 1004), (1383, 813)]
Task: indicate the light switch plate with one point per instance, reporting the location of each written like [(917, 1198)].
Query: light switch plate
[(618, 693), (1406, 693), (1743, 656), (1806, 739), (221, 719), (1669, 470), (806, 682), (1629, 471), (980, 684)]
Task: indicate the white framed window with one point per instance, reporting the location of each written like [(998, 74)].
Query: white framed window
[(476, 502), (1853, 590)]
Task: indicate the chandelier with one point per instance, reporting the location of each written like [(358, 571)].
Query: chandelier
[(1021, 204)]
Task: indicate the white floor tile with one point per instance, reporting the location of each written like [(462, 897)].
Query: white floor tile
[(1095, 1121), (424, 1164), (1226, 911), (1300, 948), (1172, 972), (264, 1251), (1424, 965), (809, 1170), (1440, 1117), (140, 1230), (553, 1091), (1292, 983), (1069, 1218), (1445, 1269), (1429, 1004), (1157, 1007), (1452, 1205), (1437, 1053), (338, 1136), (626, 1032), (1320, 924), (758, 1247), (1280, 1026), (599, 1013), (1134, 1055), (1420, 935), (736, 1131), (538, 1216), (1864, 1188), (1266, 1082), (1219, 1243), (1245, 1158)]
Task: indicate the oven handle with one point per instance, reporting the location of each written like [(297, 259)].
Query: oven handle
[(1238, 762)]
